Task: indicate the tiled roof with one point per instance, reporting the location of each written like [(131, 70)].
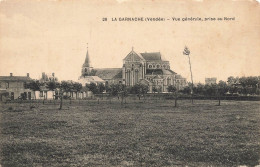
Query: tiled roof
[(154, 72), (15, 78), (152, 56), (157, 77), (168, 72), (109, 73), (90, 79), (160, 72), (134, 53)]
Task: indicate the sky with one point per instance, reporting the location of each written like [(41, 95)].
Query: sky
[(51, 36)]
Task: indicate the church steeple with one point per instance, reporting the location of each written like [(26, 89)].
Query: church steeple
[(87, 61), (86, 67)]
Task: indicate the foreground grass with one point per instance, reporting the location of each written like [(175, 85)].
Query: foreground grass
[(134, 134)]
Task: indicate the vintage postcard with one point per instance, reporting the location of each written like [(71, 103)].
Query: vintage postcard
[(129, 83)]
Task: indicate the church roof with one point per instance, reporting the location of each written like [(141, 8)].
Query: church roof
[(154, 72), (153, 56), (109, 73), (160, 72), (90, 79), (134, 53), (168, 72)]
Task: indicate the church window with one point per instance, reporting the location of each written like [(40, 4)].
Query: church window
[(136, 76), (86, 70), (158, 66), (150, 66), (168, 81), (153, 66), (164, 66)]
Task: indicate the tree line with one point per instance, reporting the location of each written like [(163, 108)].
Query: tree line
[(233, 86)]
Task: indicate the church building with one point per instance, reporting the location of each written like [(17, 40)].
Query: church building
[(146, 68)]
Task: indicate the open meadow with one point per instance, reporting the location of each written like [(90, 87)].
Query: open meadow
[(154, 133)]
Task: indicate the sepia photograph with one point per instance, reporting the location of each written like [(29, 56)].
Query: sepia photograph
[(130, 83)]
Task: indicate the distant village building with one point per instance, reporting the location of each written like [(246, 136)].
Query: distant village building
[(146, 68), (15, 87), (48, 78), (209, 81), (44, 92)]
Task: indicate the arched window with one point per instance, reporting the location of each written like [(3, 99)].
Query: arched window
[(164, 66), (136, 76), (168, 81), (153, 66), (86, 70), (158, 66)]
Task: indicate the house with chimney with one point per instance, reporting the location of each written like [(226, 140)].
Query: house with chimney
[(14, 87)]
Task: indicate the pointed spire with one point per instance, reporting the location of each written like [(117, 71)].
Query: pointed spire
[(87, 61), (132, 48)]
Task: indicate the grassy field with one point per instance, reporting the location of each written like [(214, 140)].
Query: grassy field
[(154, 133)]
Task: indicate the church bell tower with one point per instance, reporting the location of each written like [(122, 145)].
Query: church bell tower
[(86, 67)]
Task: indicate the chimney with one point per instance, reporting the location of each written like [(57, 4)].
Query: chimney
[(11, 74), (53, 74), (28, 75)]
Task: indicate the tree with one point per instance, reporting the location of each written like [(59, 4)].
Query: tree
[(154, 89), (186, 90), (66, 86), (144, 89), (173, 89), (101, 88), (210, 89), (34, 86), (123, 91), (92, 87), (199, 89), (114, 89), (77, 87), (52, 85), (222, 87), (139, 89)]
